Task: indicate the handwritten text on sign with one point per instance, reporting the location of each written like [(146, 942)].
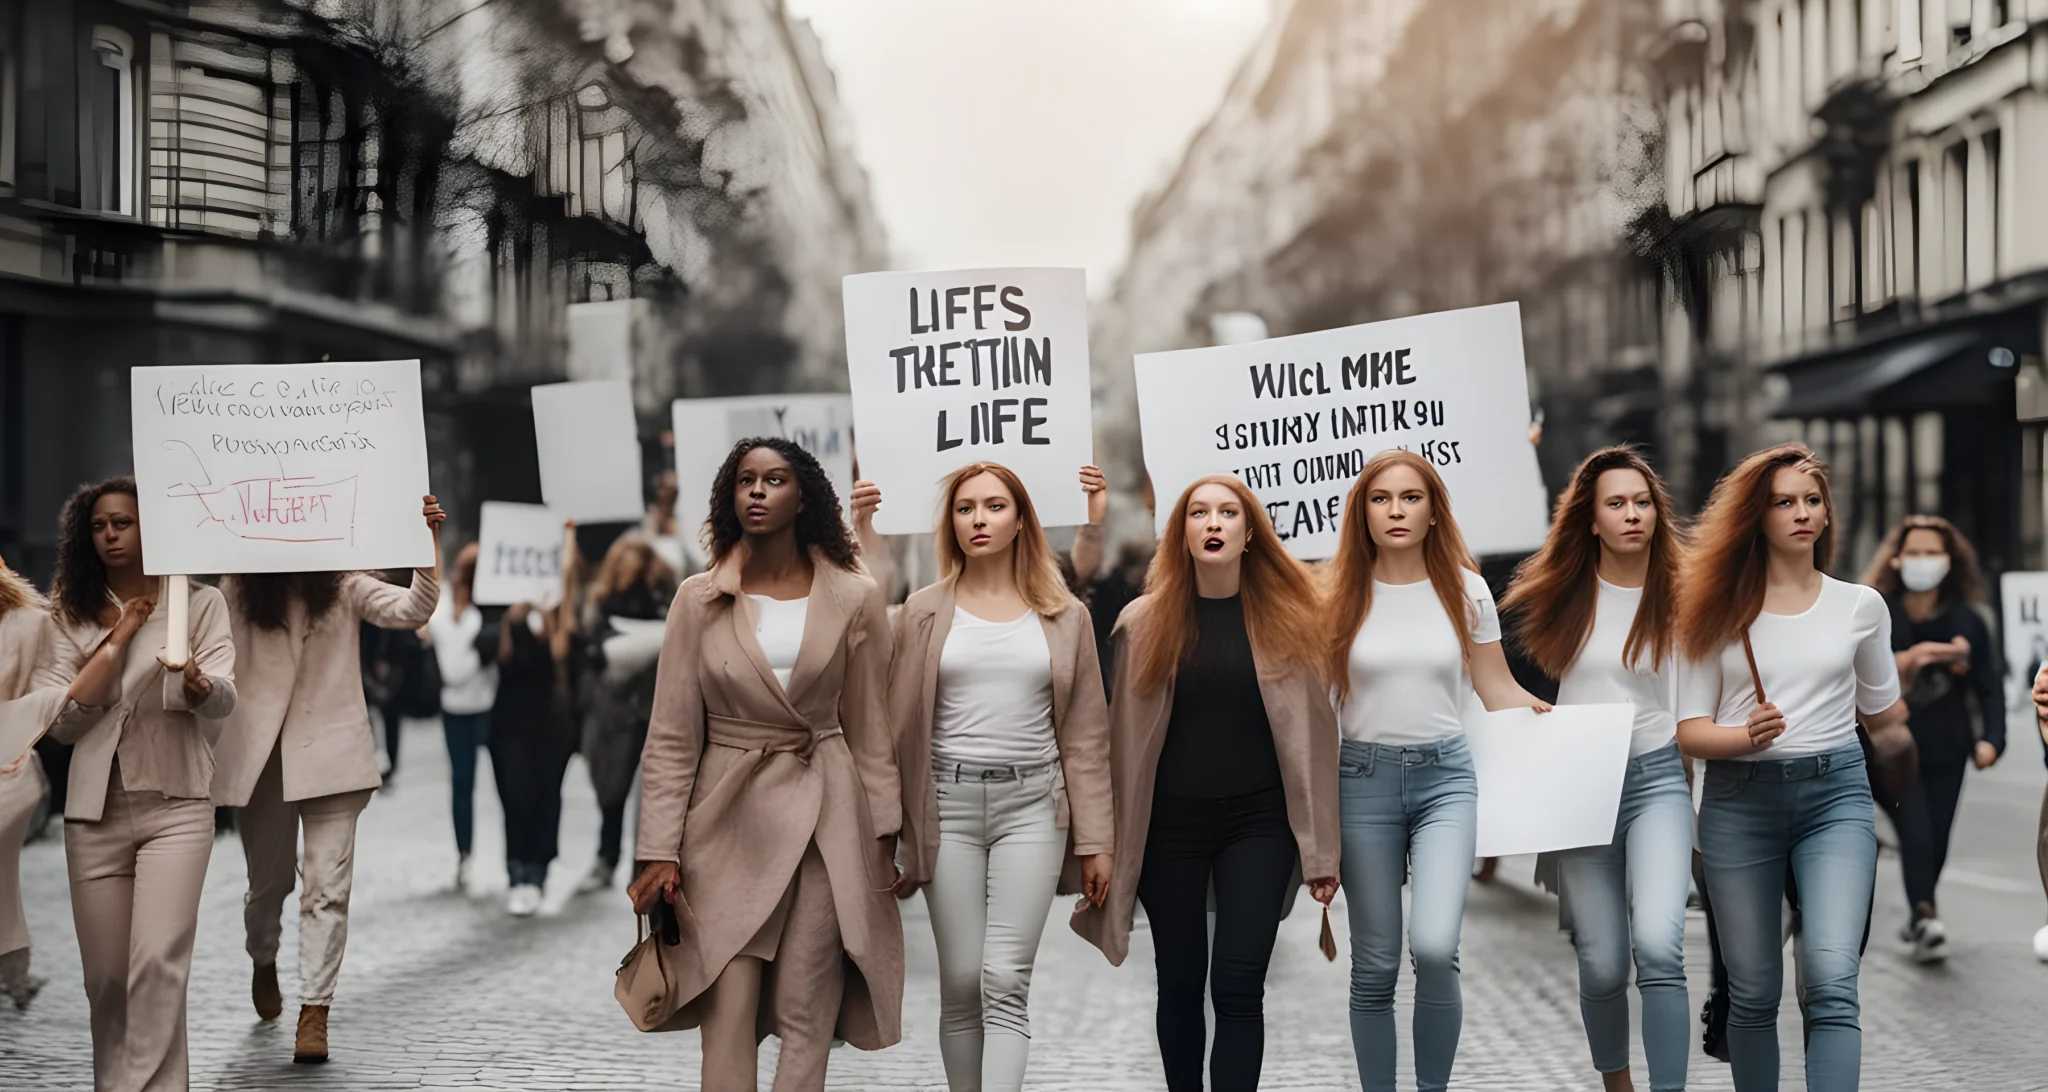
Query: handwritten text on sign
[(519, 555), (1297, 417), (280, 468), (950, 368)]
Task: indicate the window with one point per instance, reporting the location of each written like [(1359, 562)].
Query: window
[(1993, 215), (1955, 217), (1909, 247), (107, 145)]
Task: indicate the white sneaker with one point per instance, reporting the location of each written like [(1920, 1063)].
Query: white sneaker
[(523, 901), (1930, 941), (2041, 944), (462, 871), (599, 878)]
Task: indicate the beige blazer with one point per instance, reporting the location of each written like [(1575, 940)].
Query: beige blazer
[(1080, 720), (1304, 735), (25, 646), (302, 692), (739, 777), (164, 745)]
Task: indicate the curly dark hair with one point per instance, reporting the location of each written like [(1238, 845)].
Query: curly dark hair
[(265, 599), (79, 588), (819, 526)]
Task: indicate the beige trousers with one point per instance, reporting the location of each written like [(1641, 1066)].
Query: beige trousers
[(774, 987), (20, 792), (270, 826), (136, 875)]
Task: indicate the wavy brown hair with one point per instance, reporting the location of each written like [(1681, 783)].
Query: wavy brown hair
[(1033, 565), (1721, 585), (1279, 597), (265, 599), (1349, 579), (1552, 598), (79, 588), (1965, 580), (819, 525)]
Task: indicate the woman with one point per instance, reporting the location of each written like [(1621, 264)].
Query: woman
[(1790, 660), (469, 684), (769, 803), (23, 621), (616, 661), (298, 756), (1223, 757), (1927, 572), (997, 691), (1593, 609), (1412, 633), (530, 743), (138, 824)]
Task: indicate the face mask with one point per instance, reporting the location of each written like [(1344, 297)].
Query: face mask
[(1923, 573)]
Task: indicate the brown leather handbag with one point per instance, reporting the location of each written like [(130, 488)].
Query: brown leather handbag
[(646, 986), (1890, 774)]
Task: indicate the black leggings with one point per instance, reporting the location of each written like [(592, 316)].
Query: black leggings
[(1924, 819), (528, 771), (1244, 847)]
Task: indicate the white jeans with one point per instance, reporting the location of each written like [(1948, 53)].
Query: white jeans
[(1000, 852)]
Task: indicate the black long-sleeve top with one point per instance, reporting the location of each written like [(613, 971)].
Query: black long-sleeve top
[(1940, 712), (1218, 740)]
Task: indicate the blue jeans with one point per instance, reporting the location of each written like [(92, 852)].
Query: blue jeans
[(1413, 810), (1814, 814), (465, 732), (1629, 897)]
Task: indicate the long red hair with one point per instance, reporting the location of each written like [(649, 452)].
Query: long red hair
[(1721, 586), (1279, 596), (1349, 598), (1552, 597)]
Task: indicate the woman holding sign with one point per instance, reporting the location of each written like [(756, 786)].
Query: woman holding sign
[(299, 754), (769, 801), (1224, 766), (1412, 632), (24, 711), (997, 691), (1594, 609), (1791, 660), (138, 826)]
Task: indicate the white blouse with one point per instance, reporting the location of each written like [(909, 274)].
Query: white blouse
[(1599, 675), (1409, 681), (779, 627), (993, 703), (1820, 668)]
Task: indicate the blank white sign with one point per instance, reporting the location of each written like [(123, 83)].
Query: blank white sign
[(519, 555), (1550, 781), (589, 446)]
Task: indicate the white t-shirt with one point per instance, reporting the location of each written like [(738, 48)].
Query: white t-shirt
[(779, 627), (1599, 675), (1408, 675), (1819, 668), (994, 699), (468, 684)]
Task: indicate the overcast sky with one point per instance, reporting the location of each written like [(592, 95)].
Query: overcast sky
[(1022, 132)]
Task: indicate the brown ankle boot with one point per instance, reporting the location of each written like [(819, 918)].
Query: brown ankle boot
[(269, 1002), (311, 1047)]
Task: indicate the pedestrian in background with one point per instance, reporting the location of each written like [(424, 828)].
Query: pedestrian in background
[(24, 621), (769, 802), (298, 756), (531, 739), (2040, 696), (1004, 758), (1594, 609), (1791, 660), (469, 686), (138, 824), (1410, 634), (1223, 755), (1928, 574)]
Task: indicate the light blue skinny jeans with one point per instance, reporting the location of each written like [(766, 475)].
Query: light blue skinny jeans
[(1411, 810), (1814, 813), (1629, 897)]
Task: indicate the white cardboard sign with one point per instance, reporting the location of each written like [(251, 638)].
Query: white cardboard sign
[(259, 468), (1550, 781), (949, 368), (2024, 608), (519, 555), (706, 429), (1297, 417), (589, 445)]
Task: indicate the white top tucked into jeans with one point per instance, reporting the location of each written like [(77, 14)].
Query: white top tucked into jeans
[(1820, 669), (994, 695), (1408, 675), (468, 684), (779, 627), (1599, 675)]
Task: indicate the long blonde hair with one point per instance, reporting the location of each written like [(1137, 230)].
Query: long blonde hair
[(1350, 575), (1033, 566), (1279, 596), (16, 592)]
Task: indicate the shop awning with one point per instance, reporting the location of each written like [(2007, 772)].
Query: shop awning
[(1846, 386)]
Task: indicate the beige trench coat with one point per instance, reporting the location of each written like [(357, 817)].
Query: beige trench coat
[(1304, 734), (739, 777), (302, 693), (1080, 719), (23, 643)]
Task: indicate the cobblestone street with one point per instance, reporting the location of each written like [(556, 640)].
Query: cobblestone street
[(442, 990)]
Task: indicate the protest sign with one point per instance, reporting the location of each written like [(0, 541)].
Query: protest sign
[(519, 555), (258, 468), (706, 429), (1297, 417), (589, 446), (2023, 597), (1549, 781), (967, 366)]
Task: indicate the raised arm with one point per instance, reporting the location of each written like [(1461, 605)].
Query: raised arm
[(206, 685)]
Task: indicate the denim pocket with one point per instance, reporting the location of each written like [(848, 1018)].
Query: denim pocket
[(1722, 787), (1350, 767)]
